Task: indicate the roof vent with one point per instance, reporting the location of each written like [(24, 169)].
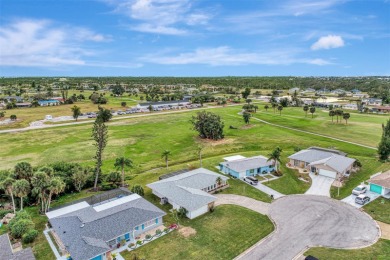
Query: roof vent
[(82, 225)]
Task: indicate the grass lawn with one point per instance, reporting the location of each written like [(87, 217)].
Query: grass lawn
[(379, 251), (379, 209), (223, 234)]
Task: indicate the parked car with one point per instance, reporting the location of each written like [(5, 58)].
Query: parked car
[(251, 180), (120, 112), (92, 115), (359, 190), (362, 199)]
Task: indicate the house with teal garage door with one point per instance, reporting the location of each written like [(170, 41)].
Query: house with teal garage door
[(91, 231), (380, 183), (239, 166)]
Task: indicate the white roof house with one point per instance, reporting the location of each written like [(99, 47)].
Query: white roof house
[(189, 190)]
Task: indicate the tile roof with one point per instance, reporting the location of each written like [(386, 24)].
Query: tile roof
[(7, 254), (248, 163), (382, 179), (186, 189), (85, 232)]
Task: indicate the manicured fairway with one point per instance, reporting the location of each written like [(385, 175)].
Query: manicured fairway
[(223, 234)]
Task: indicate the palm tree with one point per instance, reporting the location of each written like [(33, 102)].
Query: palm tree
[(76, 112), (346, 116), (23, 170), (275, 157), (199, 150), (274, 106), (121, 163), (21, 190), (332, 114), (266, 108), (166, 155), (8, 186), (41, 181), (280, 108), (339, 113), (246, 116), (306, 108), (218, 181), (56, 186), (312, 111)]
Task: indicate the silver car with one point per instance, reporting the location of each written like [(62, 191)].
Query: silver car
[(359, 190), (362, 199)]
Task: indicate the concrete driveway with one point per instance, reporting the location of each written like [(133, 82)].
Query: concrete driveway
[(255, 205), (320, 185), (351, 198), (306, 221)]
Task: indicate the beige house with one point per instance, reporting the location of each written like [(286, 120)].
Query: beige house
[(326, 162)]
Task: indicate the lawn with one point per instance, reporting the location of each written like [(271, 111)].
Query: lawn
[(378, 251), (223, 234), (379, 209)]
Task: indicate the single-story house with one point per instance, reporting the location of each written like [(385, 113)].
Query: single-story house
[(6, 252), (49, 102), (23, 104), (380, 183), (372, 101), (239, 166), (381, 109), (16, 99), (163, 104), (189, 190), (326, 162), (92, 231)]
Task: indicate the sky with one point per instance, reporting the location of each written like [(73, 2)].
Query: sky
[(194, 38)]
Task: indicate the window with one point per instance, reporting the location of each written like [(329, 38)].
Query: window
[(137, 228), (252, 171)]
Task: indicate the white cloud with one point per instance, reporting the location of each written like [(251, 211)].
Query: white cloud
[(226, 56), (328, 42), (41, 43), (161, 16)]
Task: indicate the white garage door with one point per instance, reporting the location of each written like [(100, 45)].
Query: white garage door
[(328, 173)]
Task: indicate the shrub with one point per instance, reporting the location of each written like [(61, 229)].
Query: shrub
[(138, 189), (131, 245), (158, 232), (139, 242), (166, 230), (123, 104), (30, 236), (13, 117), (19, 227), (148, 236)]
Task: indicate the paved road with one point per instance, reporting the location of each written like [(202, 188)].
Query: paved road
[(320, 185), (114, 118), (255, 205), (306, 221)]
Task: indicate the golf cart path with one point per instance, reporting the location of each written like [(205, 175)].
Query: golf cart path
[(311, 133), (304, 221)]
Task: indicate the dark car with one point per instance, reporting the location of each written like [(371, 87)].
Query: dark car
[(251, 180), (362, 199)]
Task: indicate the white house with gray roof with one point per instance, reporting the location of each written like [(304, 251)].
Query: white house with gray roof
[(190, 190), (92, 231), (326, 162), (238, 166)]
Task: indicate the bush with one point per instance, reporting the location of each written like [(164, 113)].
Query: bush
[(123, 104), (166, 230), (19, 227), (13, 117), (158, 232), (148, 237), (30, 236)]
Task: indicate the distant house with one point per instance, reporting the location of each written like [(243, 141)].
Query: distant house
[(16, 99), (350, 106), (24, 104), (325, 162), (162, 105), (380, 183), (372, 101), (239, 166), (189, 190), (381, 109), (49, 102), (6, 252), (310, 90), (92, 231), (356, 91)]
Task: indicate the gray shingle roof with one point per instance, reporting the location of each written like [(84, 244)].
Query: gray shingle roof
[(185, 189), (315, 157), (248, 163), (6, 251), (382, 179), (85, 232)]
